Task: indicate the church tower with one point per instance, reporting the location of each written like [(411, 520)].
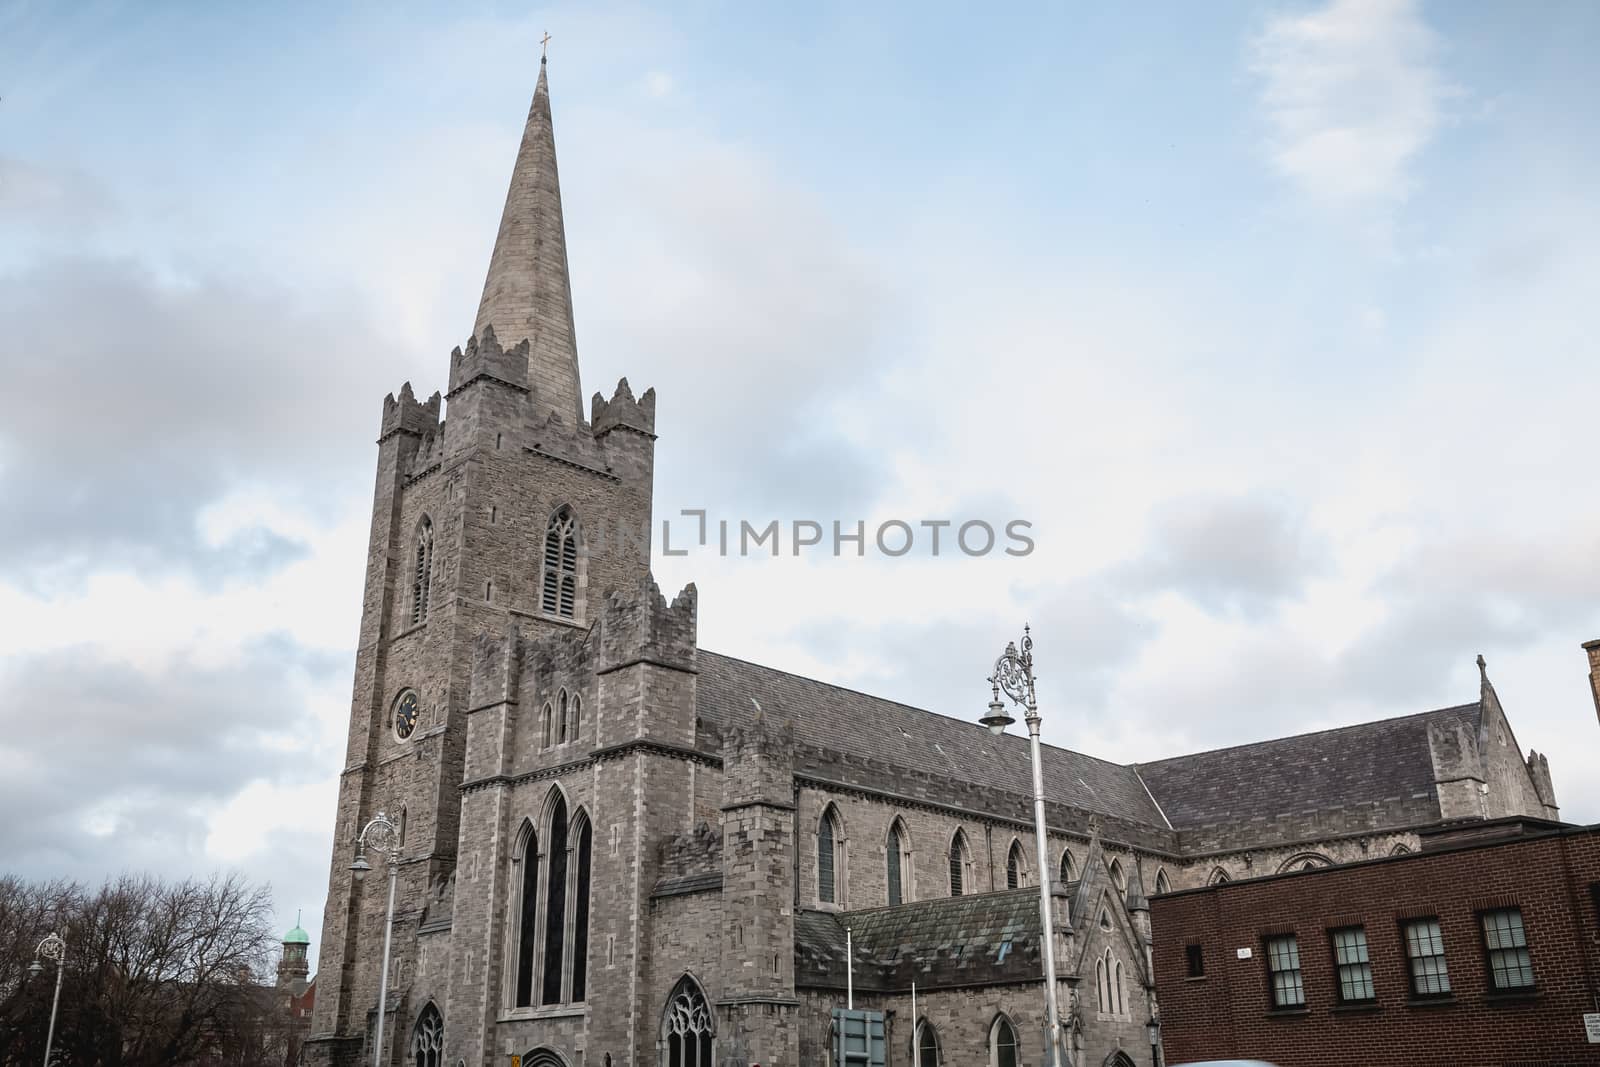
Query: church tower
[(497, 508)]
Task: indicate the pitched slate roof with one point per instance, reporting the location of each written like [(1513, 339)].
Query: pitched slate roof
[(843, 720), (1365, 764), (943, 942)]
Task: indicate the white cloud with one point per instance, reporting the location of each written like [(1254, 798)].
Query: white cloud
[(1352, 93)]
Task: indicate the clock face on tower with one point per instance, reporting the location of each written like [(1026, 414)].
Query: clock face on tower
[(405, 714)]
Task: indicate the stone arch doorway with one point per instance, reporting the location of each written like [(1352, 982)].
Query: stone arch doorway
[(543, 1057)]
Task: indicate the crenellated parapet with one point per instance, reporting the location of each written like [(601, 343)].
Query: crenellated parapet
[(623, 412), (637, 625), (406, 415), (485, 359), (758, 762)]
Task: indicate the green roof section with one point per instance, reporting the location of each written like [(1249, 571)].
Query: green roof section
[(297, 936)]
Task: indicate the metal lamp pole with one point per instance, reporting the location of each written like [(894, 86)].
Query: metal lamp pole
[(53, 948), (383, 834), (1013, 673)]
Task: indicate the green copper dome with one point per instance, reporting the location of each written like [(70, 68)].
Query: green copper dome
[(297, 936)]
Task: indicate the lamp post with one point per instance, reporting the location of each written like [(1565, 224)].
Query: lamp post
[(1153, 1029), (1013, 673), (383, 834), (53, 948)]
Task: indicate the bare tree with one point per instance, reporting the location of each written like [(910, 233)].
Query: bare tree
[(157, 973)]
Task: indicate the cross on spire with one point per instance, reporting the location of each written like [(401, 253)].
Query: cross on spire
[(544, 46)]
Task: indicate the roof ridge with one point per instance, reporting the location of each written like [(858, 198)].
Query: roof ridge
[(1139, 767), (911, 707)]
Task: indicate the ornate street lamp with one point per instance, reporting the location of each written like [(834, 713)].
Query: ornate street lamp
[(1013, 674), (383, 835), (1153, 1030), (53, 948)]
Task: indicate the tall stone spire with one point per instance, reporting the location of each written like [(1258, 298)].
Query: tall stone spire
[(528, 294)]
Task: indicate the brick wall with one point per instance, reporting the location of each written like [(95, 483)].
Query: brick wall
[(1550, 876)]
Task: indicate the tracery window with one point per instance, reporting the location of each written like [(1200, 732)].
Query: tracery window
[(688, 1029), (829, 857), (422, 571), (427, 1039), (958, 863), (553, 904), (1002, 1043), (560, 594)]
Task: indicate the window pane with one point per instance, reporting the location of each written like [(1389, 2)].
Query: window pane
[(555, 911), (1283, 964), (1510, 966), (1354, 965), (580, 916), (825, 859), (1430, 976), (955, 867), (528, 916), (1005, 1045), (894, 867)]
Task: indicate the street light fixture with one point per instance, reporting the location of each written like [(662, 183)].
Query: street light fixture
[(1013, 673), (383, 835), (1153, 1029), (53, 948)]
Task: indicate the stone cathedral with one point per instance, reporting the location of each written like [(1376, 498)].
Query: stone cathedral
[(622, 850)]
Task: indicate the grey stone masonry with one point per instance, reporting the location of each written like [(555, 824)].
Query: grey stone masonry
[(527, 294)]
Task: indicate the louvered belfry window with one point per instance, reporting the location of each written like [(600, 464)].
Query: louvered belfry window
[(560, 596), (422, 573)]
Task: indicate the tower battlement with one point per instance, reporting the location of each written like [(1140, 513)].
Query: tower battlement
[(409, 416), (638, 625), (622, 411), (484, 357)]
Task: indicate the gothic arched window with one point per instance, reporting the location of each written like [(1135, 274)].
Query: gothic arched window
[(830, 851), (1118, 879), (577, 716), (422, 571), (958, 863), (555, 908), (561, 718), (1218, 876), (560, 595), (927, 1045), (580, 910), (427, 1038), (545, 722), (1016, 871), (1002, 1043), (527, 918), (688, 1029), (1066, 867), (1163, 885), (895, 864)]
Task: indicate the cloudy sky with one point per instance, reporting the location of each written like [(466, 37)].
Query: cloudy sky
[(1275, 320)]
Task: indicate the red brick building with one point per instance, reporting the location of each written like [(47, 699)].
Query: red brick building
[(1482, 949)]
